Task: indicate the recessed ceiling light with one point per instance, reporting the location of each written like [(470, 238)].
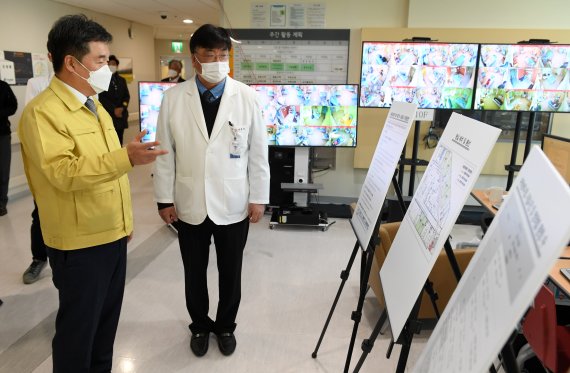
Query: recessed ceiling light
[(188, 21)]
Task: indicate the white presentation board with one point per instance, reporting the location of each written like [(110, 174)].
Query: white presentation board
[(504, 275), (452, 171), (382, 167)]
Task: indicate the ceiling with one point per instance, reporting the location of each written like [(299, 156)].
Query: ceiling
[(165, 16)]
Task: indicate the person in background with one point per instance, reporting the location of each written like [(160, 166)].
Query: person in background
[(37, 245), (213, 182), (36, 85), (116, 99), (174, 70), (77, 173), (8, 106)]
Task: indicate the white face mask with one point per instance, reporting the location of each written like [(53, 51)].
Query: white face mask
[(100, 79), (172, 73), (113, 68), (214, 72)]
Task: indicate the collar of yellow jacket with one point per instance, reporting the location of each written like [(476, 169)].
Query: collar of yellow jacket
[(65, 95)]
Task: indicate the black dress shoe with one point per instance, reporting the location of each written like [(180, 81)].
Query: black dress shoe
[(226, 343), (199, 343)]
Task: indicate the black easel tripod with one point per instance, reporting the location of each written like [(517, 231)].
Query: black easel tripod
[(413, 326), (366, 263), (367, 255)]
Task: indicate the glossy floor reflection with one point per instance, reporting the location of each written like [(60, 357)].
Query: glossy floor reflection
[(290, 278)]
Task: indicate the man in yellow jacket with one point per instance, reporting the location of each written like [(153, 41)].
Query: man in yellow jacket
[(77, 170)]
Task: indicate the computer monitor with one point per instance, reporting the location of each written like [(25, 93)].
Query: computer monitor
[(150, 98), (317, 115), (557, 149), (431, 75), (523, 77)]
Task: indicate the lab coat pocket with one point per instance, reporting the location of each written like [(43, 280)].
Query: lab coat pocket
[(235, 195), (184, 193)]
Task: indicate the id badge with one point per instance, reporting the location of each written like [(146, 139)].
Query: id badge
[(238, 143), (235, 149)]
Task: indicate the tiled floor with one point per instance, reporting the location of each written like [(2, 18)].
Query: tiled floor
[(290, 278)]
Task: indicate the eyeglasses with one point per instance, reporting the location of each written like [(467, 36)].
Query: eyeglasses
[(211, 57)]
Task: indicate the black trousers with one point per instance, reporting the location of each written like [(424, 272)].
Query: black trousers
[(120, 132), (91, 283), (5, 159), (38, 246), (194, 243)]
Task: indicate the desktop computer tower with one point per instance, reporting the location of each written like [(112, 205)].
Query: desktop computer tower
[(282, 170)]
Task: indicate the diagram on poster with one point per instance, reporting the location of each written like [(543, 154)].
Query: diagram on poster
[(511, 263), (442, 192), (429, 211), (379, 176)]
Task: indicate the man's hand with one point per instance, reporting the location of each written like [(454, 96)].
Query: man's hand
[(119, 112), (130, 237), (255, 212), (168, 214), (143, 153)]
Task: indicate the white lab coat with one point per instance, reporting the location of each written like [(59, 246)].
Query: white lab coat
[(215, 176), (36, 85)]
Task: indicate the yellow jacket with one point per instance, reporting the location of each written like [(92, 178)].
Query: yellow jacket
[(76, 170)]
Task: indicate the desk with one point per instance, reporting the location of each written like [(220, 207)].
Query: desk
[(558, 278), (481, 196)]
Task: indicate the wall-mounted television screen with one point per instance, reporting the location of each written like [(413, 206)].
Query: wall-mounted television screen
[(309, 114), (432, 75), (150, 98), (523, 77)]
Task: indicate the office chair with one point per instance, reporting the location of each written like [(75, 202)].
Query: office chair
[(444, 282), (549, 341)]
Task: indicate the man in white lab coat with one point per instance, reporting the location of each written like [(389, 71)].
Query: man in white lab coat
[(213, 182)]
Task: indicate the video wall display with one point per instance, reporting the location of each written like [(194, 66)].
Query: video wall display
[(432, 75), (150, 99), (309, 114), (523, 77)]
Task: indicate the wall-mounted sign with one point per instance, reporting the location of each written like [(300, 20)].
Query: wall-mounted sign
[(176, 46)]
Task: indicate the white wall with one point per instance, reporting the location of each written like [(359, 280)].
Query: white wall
[(510, 14), (24, 26)]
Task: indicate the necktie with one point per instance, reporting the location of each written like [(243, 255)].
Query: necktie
[(209, 96), (91, 106)]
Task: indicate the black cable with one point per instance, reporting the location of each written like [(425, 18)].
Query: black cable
[(431, 139)]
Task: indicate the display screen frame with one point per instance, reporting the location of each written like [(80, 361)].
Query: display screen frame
[(415, 82), (286, 114), (148, 110), (505, 84)]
